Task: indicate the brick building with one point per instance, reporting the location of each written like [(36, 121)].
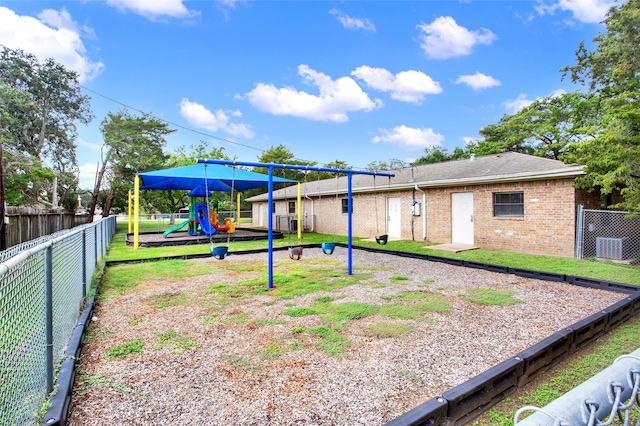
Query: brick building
[(510, 201)]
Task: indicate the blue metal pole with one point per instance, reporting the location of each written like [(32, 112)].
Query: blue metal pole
[(349, 225), (270, 222)]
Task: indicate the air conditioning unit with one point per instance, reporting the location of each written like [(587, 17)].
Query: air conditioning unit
[(612, 248)]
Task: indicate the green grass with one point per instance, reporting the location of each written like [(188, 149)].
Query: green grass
[(121, 278), (259, 321), (168, 299), (273, 351), (491, 297), (412, 305), (330, 341), (300, 312), (397, 278), (85, 381), (240, 319), (384, 330), (297, 281), (176, 342), (131, 347), (425, 301)]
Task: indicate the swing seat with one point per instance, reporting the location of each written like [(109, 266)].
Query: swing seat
[(219, 252), (295, 253), (328, 248), (381, 239)]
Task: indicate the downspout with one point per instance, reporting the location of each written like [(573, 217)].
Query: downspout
[(313, 216), (424, 213)]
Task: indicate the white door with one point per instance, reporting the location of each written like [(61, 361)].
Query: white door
[(462, 218), (261, 215), (393, 218)]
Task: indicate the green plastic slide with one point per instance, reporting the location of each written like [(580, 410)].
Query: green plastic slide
[(175, 228)]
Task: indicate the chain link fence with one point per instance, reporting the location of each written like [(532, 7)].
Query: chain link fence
[(610, 235), (42, 290), (608, 398)]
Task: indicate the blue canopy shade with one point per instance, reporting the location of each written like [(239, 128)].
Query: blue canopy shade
[(212, 176)]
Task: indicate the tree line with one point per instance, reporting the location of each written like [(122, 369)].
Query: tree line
[(41, 104)]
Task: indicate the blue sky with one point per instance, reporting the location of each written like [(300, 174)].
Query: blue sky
[(357, 81)]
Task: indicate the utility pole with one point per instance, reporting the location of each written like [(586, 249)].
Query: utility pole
[(3, 226)]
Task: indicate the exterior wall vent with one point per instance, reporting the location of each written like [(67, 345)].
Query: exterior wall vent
[(612, 248)]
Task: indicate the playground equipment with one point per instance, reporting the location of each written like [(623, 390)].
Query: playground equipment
[(329, 247), (380, 239), (202, 218), (210, 217), (295, 253), (270, 168)]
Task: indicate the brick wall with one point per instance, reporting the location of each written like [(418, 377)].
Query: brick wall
[(548, 225)]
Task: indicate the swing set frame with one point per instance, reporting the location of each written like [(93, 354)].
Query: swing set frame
[(270, 169)]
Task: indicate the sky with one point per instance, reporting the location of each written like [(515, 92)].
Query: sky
[(356, 81)]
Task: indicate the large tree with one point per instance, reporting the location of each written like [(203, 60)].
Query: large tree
[(611, 72), (133, 144), (281, 155), (544, 128), (42, 132), (378, 166), (439, 154)]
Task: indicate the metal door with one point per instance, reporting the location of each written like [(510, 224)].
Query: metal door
[(394, 227), (462, 218)]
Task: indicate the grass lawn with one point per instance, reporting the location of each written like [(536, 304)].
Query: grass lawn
[(544, 389)]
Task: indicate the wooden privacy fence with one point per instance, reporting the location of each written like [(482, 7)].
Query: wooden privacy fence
[(27, 223)]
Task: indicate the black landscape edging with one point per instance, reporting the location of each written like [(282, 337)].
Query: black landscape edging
[(432, 412), (526, 273), (544, 354), (469, 399), (56, 414)]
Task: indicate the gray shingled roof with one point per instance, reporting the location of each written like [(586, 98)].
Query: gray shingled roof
[(505, 167)]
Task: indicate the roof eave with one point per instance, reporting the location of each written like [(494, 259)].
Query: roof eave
[(568, 172)]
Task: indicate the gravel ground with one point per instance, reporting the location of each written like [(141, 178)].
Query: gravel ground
[(228, 376)]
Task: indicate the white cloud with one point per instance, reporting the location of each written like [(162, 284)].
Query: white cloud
[(406, 86), (154, 9), (353, 23), (87, 176), (410, 138), (335, 99), (557, 93), (514, 105), (588, 11), (54, 35), (444, 38), (198, 115), (478, 81)]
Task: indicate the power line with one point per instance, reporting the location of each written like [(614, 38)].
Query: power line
[(172, 123), (192, 130)]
